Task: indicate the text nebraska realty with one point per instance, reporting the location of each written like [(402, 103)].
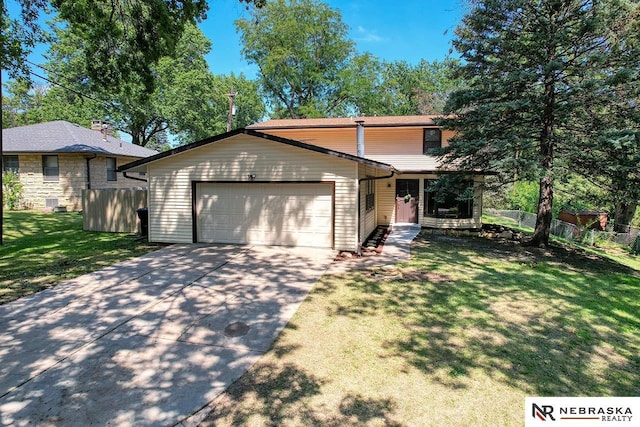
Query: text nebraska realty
[(604, 413)]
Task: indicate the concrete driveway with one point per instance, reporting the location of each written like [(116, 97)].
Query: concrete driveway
[(149, 341)]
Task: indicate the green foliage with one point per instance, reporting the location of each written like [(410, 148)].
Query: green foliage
[(451, 183), (41, 250), (400, 88), (531, 68), (19, 36), (302, 50), (122, 39), (187, 101), (523, 196), (11, 190)]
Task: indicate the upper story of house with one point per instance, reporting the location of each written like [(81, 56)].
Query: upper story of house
[(389, 135), (402, 141)]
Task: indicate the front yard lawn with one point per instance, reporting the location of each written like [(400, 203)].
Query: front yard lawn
[(43, 249), (457, 336)]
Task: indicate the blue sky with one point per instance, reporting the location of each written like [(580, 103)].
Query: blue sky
[(407, 30)]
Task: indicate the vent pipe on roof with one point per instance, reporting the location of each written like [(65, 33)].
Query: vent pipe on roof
[(360, 137)]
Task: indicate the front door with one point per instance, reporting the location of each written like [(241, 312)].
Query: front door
[(407, 196)]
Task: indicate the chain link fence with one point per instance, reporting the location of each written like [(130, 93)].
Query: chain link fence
[(573, 232)]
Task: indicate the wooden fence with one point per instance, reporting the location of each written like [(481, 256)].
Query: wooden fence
[(112, 210)]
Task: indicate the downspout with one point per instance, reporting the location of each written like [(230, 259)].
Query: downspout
[(88, 159), (133, 177), (360, 180)]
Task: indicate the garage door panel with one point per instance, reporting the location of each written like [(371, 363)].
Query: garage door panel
[(269, 214)]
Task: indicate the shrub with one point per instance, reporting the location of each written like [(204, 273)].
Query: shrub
[(11, 190)]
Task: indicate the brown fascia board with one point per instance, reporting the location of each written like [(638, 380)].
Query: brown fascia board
[(344, 126), (446, 172), (257, 134)]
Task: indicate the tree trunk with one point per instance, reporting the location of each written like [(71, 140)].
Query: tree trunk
[(545, 199), (543, 218), (623, 215)]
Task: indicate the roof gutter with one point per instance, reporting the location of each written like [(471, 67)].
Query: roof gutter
[(133, 177), (360, 181)]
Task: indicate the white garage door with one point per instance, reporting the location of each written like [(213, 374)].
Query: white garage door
[(265, 214)]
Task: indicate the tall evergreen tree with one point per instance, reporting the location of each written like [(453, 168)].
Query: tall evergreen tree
[(529, 66)]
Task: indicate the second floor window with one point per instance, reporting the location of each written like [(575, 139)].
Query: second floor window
[(432, 139), (50, 170), (111, 169)]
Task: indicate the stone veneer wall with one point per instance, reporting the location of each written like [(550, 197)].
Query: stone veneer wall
[(72, 179)]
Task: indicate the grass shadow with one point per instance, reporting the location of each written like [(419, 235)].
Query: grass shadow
[(549, 322)]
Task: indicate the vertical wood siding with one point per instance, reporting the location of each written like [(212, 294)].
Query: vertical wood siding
[(170, 200), (112, 210)]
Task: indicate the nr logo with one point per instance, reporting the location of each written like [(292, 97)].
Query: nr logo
[(542, 412)]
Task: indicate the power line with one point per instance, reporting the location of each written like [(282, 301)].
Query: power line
[(83, 95)]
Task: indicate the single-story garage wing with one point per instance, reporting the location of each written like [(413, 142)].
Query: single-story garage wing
[(249, 187)]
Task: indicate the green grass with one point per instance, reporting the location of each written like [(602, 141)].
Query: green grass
[(613, 251), (459, 335), (43, 249)]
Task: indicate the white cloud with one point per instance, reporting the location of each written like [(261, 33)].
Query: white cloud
[(366, 35)]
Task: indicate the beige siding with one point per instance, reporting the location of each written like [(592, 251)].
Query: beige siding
[(368, 220), (234, 159), (378, 141), (385, 201), (71, 181)]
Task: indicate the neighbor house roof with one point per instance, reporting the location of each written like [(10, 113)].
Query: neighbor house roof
[(64, 137), (341, 122), (217, 138)]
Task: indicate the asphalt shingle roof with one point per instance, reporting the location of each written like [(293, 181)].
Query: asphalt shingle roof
[(64, 137)]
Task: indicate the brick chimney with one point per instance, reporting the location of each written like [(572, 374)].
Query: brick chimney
[(103, 127)]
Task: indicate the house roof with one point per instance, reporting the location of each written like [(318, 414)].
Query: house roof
[(64, 137), (412, 163), (342, 122), (221, 137)]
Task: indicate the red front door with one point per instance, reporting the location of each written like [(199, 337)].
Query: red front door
[(407, 196)]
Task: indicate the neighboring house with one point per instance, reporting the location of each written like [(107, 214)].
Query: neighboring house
[(304, 183), (57, 160)]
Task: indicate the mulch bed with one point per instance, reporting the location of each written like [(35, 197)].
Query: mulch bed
[(372, 246)]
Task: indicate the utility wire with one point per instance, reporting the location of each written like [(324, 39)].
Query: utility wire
[(76, 92)]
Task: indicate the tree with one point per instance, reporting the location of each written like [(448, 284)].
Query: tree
[(400, 88), (188, 101), (301, 49), (179, 103), (528, 67), (610, 121), (123, 38), (23, 103)]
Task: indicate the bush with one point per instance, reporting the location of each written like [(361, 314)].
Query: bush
[(11, 190), (523, 196)]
